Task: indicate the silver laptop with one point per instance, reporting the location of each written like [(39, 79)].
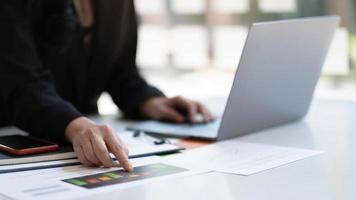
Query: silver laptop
[(274, 83)]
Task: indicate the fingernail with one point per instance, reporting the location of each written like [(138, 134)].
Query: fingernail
[(129, 167)]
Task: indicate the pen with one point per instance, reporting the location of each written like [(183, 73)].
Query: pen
[(154, 140)]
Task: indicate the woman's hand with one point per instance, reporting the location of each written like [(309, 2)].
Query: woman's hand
[(93, 143), (176, 109)]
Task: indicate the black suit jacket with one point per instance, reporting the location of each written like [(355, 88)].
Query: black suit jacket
[(49, 76)]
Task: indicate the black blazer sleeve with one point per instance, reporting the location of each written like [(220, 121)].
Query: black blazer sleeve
[(26, 88), (126, 86)]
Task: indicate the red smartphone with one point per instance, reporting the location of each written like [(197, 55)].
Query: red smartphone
[(25, 145)]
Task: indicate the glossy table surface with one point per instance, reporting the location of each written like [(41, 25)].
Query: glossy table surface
[(330, 126)]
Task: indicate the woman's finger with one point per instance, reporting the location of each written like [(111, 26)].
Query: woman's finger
[(89, 151), (80, 154), (100, 149), (119, 150), (205, 112), (188, 106), (170, 114)]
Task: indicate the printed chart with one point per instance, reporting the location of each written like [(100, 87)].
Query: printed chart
[(120, 176)]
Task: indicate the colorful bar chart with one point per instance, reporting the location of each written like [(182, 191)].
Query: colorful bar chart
[(120, 176)]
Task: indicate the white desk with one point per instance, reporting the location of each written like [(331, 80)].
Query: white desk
[(330, 126)]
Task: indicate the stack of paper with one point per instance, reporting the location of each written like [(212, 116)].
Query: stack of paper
[(139, 147)]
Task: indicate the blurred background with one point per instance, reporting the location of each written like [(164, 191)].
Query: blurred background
[(192, 47)]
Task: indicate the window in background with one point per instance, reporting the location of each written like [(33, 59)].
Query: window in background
[(228, 45), (189, 47), (152, 51), (188, 6), (277, 5), (150, 7), (337, 62), (231, 6), (202, 34)]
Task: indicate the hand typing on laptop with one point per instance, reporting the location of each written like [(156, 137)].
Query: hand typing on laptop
[(176, 109)]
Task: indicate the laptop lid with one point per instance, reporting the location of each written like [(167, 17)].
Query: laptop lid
[(277, 74)]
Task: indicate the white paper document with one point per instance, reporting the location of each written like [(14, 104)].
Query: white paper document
[(80, 181), (237, 157)]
